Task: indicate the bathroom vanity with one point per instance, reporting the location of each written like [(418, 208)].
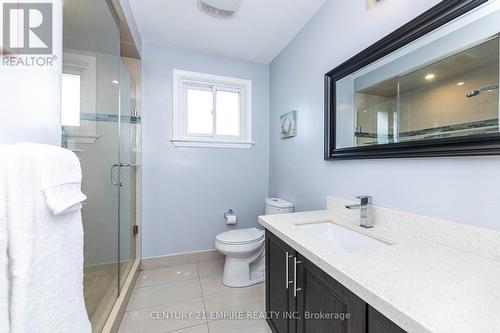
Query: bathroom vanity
[(409, 273), (297, 289)]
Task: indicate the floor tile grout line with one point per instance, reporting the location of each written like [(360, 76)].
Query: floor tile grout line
[(165, 283), (203, 298), (206, 321), (176, 281), (185, 328), (178, 301), (169, 303)]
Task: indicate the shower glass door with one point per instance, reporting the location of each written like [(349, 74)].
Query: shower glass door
[(129, 167)]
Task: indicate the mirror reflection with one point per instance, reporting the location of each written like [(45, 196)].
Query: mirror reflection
[(455, 96)]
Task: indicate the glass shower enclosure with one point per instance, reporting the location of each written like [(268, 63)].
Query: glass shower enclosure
[(100, 124)]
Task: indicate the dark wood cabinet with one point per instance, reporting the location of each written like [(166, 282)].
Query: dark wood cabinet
[(324, 305), (280, 303), (378, 323), (302, 298)]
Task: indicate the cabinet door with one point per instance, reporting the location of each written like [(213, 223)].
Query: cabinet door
[(378, 323), (279, 304), (324, 305)]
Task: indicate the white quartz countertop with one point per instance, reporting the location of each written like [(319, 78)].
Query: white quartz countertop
[(420, 285)]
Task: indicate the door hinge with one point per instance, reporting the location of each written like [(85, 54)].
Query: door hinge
[(136, 230)]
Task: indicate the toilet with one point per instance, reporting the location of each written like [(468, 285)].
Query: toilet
[(244, 249)]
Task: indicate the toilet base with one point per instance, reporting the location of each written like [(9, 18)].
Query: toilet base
[(244, 272)]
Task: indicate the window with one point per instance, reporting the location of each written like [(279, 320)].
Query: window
[(70, 100), (211, 111)]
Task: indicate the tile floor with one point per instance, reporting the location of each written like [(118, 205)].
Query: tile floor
[(192, 299)]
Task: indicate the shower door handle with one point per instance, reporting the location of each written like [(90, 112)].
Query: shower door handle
[(120, 165), (132, 165), (112, 175)]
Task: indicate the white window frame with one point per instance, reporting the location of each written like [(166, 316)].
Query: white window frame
[(184, 79)]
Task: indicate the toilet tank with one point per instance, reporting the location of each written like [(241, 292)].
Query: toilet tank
[(278, 206)]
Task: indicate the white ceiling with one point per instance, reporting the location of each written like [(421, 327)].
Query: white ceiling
[(260, 30)]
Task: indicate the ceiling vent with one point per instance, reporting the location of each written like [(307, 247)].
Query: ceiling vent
[(220, 8)]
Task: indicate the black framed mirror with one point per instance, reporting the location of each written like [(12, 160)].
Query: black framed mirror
[(431, 88)]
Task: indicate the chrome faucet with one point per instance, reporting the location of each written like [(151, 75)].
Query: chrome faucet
[(366, 218)]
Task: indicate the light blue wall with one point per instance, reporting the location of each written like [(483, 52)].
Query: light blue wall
[(465, 190), (186, 190)]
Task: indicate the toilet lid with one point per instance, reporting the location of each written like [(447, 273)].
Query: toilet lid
[(241, 236)]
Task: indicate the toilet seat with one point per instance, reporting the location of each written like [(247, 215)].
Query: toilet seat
[(241, 236)]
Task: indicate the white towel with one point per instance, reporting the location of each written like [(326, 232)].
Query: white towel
[(4, 267), (62, 184), (64, 198), (45, 250)]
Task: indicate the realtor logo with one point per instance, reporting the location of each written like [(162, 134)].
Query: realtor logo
[(27, 28)]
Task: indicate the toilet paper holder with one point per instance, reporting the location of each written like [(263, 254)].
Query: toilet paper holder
[(229, 212)]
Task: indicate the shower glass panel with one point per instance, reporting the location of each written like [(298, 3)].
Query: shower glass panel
[(91, 57), (377, 114), (129, 167)]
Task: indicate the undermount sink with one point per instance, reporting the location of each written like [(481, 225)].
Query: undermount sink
[(349, 240)]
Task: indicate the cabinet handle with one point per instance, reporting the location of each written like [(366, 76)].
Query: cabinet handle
[(286, 270), (295, 289), (287, 278)]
